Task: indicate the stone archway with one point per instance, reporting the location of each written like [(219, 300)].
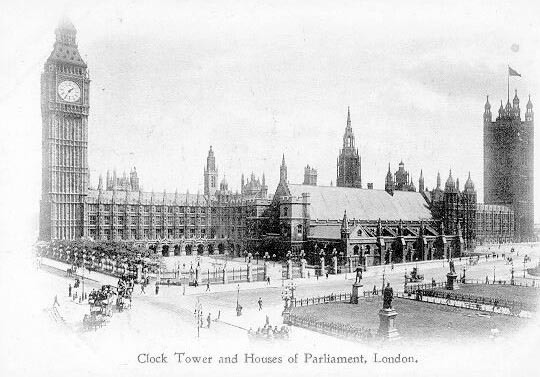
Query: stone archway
[(221, 248), (177, 249), (189, 249), (211, 249), (200, 249), (356, 250)]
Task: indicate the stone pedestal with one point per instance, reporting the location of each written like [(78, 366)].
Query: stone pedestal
[(334, 263), (357, 291), (289, 269), (225, 277), (249, 273), (266, 270), (451, 281), (323, 269), (303, 263), (387, 329)]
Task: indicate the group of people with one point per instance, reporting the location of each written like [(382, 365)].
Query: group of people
[(268, 332)]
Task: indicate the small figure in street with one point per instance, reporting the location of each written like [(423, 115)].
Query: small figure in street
[(143, 285), (392, 266), (260, 303), (309, 274), (168, 282), (268, 280), (56, 303), (267, 320), (208, 320), (327, 275), (374, 292), (69, 290), (208, 286), (487, 280), (184, 290), (157, 288)]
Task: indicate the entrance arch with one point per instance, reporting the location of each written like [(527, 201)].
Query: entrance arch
[(211, 249), (221, 248), (200, 249), (189, 249)]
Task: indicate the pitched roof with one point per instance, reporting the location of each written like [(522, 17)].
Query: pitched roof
[(329, 202)]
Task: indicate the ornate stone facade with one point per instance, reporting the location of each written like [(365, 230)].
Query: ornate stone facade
[(509, 163)]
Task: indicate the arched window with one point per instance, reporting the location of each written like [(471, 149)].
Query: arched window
[(285, 211), (299, 229)]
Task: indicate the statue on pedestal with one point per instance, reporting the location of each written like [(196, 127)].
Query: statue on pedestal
[(388, 295), (452, 267)]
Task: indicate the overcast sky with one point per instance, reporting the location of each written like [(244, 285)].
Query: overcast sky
[(256, 79)]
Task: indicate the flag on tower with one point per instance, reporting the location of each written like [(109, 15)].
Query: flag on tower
[(512, 72)]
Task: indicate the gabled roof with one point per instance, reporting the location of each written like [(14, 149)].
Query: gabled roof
[(329, 202)]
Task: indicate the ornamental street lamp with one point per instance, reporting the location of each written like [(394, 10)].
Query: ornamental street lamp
[(257, 256), (238, 306), (198, 316), (493, 274)]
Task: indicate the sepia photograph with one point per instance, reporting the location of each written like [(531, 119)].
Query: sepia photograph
[(245, 188)]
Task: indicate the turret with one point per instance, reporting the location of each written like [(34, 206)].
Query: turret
[(487, 111), (515, 106), (438, 180), (529, 114), (450, 185), (389, 182), (421, 181), (345, 230), (469, 185)]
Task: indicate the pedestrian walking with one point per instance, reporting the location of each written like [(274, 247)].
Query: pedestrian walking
[(184, 290), (157, 288), (168, 282), (260, 302), (208, 286), (69, 290), (208, 320), (268, 280), (55, 303), (392, 266), (327, 275), (143, 285)]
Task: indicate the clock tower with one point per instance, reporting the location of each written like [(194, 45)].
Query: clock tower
[(64, 112)]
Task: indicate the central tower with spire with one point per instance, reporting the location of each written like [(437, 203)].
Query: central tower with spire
[(349, 163)]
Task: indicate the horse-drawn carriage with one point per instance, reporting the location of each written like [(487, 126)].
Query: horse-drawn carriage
[(101, 303), (125, 290), (414, 276)]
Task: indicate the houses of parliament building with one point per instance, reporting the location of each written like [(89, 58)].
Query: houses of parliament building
[(395, 224)]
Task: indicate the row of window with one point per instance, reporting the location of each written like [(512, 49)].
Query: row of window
[(134, 220), (145, 208)]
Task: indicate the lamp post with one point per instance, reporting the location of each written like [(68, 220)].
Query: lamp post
[(524, 268), (493, 274), (238, 307), (274, 258), (383, 275), (198, 314), (257, 256)]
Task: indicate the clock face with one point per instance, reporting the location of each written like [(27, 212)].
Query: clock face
[(69, 91)]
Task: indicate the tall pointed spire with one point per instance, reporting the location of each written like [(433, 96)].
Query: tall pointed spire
[(283, 171), (348, 116)]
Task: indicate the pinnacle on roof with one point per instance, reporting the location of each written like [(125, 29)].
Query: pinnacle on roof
[(516, 99), (487, 106), (348, 116), (66, 24), (469, 185), (529, 103), (450, 184)]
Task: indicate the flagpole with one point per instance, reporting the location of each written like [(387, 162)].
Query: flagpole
[(508, 79)]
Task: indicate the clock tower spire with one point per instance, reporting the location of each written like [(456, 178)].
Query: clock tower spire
[(64, 112)]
